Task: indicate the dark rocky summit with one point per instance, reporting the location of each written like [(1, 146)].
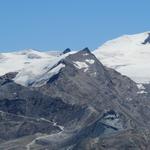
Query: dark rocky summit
[(85, 106), (147, 40), (66, 51)]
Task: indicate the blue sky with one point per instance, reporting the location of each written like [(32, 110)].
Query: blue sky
[(58, 24)]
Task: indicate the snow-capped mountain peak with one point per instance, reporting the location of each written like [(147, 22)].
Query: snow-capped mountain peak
[(129, 55), (29, 63), (40, 70), (15, 61)]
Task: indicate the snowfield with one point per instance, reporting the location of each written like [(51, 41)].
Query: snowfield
[(16, 61), (31, 65), (128, 55)]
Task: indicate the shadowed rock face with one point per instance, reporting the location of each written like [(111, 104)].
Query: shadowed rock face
[(66, 51), (84, 106), (147, 41)]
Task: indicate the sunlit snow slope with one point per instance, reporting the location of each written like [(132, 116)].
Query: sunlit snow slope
[(15, 61), (129, 55), (30, 65)]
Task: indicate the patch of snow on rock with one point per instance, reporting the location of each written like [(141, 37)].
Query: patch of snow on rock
[(86, 54), (81, 65), (141, 89), (90, 61), (142, 92)]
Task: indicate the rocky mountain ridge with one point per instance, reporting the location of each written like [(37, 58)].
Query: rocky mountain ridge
[(71, 101)]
